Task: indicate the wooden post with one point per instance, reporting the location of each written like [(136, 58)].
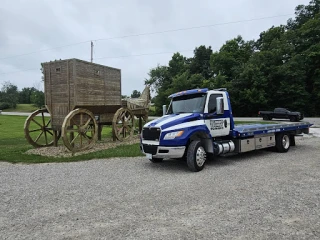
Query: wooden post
[(55, 138), (140, 124), (113, 135), (99, 131)]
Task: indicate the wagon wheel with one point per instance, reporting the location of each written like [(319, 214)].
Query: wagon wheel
[(37, 129), (123, 124), (79, 130)]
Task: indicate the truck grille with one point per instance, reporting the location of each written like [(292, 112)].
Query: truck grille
[(151, 133), (150, 149)]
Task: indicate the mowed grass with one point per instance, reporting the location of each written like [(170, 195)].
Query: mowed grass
[(22, 108), (13, 145)]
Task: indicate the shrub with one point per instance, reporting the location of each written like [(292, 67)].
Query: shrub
[(4, 105)]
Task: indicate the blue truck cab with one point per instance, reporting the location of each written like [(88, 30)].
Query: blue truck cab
[(199, 123)]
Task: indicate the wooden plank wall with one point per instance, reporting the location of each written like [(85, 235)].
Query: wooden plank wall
[(58, 97), (75, 83), (97, 85)]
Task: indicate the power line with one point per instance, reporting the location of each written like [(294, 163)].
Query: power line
[(125, 56), (143, 54), (25, 70), (44, 50), (190, 28), (148, 33)]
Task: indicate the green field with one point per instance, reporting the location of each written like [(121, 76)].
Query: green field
[(22, 108), (13, 145)]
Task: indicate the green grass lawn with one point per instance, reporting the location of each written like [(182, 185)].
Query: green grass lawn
[(13, 145), (22, 108)]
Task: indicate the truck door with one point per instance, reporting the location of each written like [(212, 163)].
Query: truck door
[(219, 125)]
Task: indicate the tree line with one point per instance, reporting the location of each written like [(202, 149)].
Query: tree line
[(279, 69), (10, 96)]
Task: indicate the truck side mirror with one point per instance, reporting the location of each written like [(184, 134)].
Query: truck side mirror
[(220, 105), (164, 110)]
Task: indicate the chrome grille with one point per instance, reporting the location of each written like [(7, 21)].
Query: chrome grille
[(151, 134)]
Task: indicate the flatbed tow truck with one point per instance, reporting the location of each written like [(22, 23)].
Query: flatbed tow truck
[(199, 123)]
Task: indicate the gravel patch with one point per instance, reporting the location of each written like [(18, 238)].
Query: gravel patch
[(62, 151), (256, 195)]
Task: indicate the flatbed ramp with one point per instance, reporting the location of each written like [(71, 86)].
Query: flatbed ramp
[(248, 130)]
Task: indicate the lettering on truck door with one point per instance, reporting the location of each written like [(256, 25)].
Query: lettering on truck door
[(219, 125)]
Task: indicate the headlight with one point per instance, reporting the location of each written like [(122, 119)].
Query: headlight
[(173, 135)]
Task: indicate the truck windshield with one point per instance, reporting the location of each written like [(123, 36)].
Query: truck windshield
[(193, 103)]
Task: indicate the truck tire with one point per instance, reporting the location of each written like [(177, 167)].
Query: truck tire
[(196, 156), (283, 142), (292, 118), (156, 160), (265, 117)]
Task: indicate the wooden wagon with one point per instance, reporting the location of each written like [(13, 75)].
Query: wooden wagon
[(81, 97)]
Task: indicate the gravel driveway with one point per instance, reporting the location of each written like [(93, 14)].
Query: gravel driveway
[(258, 195)]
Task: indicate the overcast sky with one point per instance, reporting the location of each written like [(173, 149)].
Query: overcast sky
[(31, 25)]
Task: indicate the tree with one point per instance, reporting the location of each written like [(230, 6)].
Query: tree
[(159, 77), (25, 95), (160, 82), (177, 65), (135, 94), (9, 94), (200, 63), (303, 14), (231, 58), (37, 98), (279, 69)]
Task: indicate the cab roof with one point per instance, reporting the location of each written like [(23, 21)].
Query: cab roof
[(194, 91), (188, 92)]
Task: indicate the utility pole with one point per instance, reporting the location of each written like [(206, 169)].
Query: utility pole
[(91, 51)]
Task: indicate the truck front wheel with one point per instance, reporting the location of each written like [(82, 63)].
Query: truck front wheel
[(283, 142), (196, 156)]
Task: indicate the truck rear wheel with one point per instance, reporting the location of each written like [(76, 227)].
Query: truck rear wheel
[(196, 156), (283, 142)]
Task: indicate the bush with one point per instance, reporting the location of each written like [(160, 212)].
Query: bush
[(4, 105), (152, 111)]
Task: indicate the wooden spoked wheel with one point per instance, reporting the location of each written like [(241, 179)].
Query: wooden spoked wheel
[(79, 130), (37, 129), (123, 124)]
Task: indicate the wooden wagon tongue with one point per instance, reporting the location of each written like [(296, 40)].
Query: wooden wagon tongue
[(80, 98)]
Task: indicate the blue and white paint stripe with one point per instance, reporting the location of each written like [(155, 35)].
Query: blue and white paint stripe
[(185, 125)]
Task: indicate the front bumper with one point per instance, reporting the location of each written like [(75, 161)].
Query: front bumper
[(156, 151)]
